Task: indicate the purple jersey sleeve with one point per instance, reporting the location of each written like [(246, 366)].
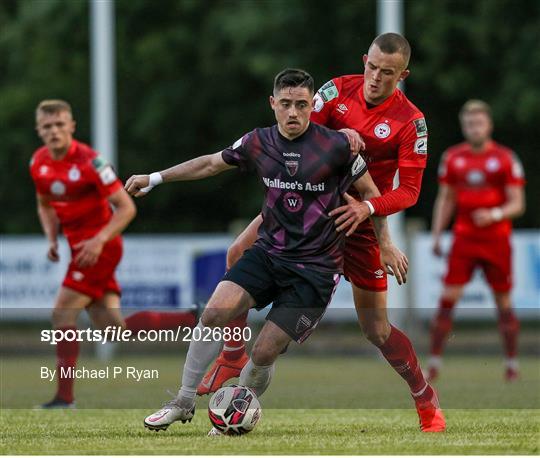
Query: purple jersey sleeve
[(238, 154)]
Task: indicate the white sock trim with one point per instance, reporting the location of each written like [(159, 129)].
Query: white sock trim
[(419, 393), (227, 348)]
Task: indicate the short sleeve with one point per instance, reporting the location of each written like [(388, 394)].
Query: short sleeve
[(413, 144), (356, 167), (324, 101), (105, 177), (514, 171), (237, 154)]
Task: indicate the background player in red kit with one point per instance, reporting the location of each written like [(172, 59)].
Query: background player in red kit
[(75, 190), (481, 182), (395, 136)]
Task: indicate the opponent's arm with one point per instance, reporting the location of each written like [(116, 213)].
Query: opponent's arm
[(514, 207), (354, 212), (243, 241), (194, 169), (50, 225), (444, 207), (124, 212)]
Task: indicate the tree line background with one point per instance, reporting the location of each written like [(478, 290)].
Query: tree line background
[(193, 76)]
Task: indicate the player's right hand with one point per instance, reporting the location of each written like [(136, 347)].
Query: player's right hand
[(355, 140), (138, 185), (52, 252)]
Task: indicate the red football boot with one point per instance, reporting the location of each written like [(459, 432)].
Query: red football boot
[(429, 411), (222, 370)]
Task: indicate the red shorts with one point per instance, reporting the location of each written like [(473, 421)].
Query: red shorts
[(96, 280), (362, 265), (494, 256)]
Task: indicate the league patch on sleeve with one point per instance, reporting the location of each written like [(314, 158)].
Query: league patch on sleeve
[(318, 103), (99, 163), (421, 127), (420, 146), (358, 165), (104, 170), (328, 91), (517, 167)]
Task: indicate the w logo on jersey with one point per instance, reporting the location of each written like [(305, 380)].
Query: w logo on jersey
[(292, 167), (293, 202)]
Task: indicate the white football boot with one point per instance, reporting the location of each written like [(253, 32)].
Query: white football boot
[(172, 411)]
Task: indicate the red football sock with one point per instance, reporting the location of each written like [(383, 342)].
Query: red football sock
[(146, 321), (399, 352), (441, 326), (509, 329), (66, 357), (234, 348)]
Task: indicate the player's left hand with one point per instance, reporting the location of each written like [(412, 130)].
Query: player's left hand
[(89, 252), (482, 217), (355, 140), (395, 262), (351, 215)]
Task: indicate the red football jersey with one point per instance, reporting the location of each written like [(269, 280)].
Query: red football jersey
[(77, 187), (479, 180), (395, 131)]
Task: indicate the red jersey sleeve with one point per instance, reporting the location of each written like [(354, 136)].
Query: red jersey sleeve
[(104, 177), (514, 173), (325, 100), (413, 142)]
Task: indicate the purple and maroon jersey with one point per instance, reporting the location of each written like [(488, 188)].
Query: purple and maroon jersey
[(304, 180)]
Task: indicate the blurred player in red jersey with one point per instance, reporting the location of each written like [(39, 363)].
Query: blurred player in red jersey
[(75, 190), (394, 137), (481, 182)]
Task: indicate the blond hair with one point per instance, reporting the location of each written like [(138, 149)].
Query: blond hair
[(474, 106), (52, 106)]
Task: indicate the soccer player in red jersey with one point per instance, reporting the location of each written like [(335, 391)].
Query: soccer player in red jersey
[(75, 190), (481, 181), (395, 135)]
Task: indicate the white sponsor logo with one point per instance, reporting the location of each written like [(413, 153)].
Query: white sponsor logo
[(107, 175), (291, 155), (293, 185), (58, 188), (318, 103), (237, 143), (493, 164), (382, 130), (74, 174), (379, 273), (475, 177), (420, 145), (293, 202), (358, 165), (77, 276), (342, 108)]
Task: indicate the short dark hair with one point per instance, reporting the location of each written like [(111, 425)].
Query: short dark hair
[(390, 43), (294, 77)]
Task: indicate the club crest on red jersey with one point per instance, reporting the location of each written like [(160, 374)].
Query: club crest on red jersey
[(382, 130)]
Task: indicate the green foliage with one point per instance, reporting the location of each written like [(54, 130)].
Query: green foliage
[(194, 76)]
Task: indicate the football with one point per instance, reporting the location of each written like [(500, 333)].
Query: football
[(234, 410)]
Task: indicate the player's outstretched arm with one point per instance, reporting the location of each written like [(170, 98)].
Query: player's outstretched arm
[(194, 169), (443, 209), (124, 212), (50, 225)]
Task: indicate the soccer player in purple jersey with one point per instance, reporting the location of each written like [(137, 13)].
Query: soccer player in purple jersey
[(297, 259)]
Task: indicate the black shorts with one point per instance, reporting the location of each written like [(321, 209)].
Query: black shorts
[(299, 295)]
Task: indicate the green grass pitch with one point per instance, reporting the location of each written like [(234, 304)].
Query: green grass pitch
[(304, 412)]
